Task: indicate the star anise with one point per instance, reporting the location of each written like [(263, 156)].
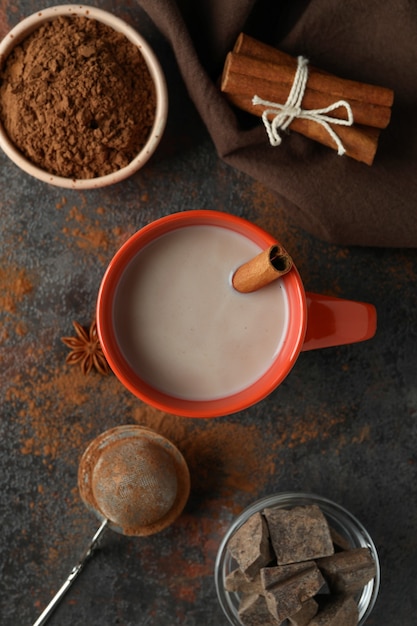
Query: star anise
[(86, 350)]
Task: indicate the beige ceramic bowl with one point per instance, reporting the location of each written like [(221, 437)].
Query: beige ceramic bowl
[(30, 24)]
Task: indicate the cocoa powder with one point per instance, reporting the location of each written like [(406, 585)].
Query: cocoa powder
[(77, 98)]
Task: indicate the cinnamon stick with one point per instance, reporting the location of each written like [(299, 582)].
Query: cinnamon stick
[(255, 68), (318, 79), (360, 142), (263, 269), (247, 76)]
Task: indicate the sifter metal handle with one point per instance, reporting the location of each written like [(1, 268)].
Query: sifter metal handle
[(73, 575)]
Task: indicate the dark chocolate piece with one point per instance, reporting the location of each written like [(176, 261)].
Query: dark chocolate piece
[(250, 546), (287, 587), (237, 582), (253, 611), (299, 534), (305, 614), (339, 541), (347, 572), (339, 611)]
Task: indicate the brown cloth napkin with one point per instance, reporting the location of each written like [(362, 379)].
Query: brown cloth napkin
[(333, 197)]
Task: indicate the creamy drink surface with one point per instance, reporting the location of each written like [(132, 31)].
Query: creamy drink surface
[(182, 326)]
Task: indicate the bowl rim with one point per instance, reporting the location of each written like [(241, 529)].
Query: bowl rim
[(28, 25), (366, 600)]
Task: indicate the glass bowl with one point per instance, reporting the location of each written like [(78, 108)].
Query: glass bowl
[(31, 23), (343, 522)]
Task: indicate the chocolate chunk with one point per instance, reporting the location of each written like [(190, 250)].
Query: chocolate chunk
[(250, 546), (286, 587), (237, 582), (339, 611), (347, 572), (253, 611), (339, 541), (299, 534), (305, 614)]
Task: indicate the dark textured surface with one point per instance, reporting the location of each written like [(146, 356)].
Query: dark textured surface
[(343, 424)]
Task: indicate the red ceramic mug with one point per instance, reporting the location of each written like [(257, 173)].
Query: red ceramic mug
[(136, 338)]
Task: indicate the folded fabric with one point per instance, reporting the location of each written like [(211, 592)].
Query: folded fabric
[(333, 197)]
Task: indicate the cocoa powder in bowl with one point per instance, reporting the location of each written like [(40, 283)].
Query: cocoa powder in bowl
[(77, 98)]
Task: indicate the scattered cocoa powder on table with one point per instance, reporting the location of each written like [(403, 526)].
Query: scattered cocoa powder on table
[(77, 98)]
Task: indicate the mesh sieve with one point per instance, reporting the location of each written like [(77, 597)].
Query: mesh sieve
[(134, 478), (135, 481)]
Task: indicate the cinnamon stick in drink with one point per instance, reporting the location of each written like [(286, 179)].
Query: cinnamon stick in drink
[(263, 269)]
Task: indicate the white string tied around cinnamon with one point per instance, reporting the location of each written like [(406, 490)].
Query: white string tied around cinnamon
[(284, 114)]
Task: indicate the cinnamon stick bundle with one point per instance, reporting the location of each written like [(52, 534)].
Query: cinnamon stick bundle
[(255, 68), (242, 71)]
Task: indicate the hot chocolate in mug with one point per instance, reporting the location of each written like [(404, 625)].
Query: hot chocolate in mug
[(179, 336)]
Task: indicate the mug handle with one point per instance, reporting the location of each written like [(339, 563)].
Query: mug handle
[(335, 322)]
